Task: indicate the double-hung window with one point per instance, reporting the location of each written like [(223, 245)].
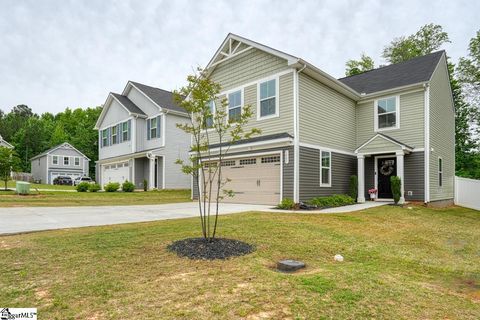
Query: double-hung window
[(440, 172), (325, 168), (268, 99), (387, 113), (77, 161), (104, 137), (209, 117), (55, 159), (153, 127), (235, 105), (125, 131), (66, 161), (114, 135)]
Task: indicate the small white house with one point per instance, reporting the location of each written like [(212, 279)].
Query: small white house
[(5, 144)]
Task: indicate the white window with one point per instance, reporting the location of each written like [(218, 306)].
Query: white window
[(114, 135), (125, 131), (77, 161), (104, 137), (325, 168), (268, 102), (55, 160), (440, 172), (153, 128), (209, 118), (234, 105), (387, 113), (66, 161)]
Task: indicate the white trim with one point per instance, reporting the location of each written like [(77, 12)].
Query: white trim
[(227, 93), (106, 107), (378, 152), (228, 57), (361, 178), (281, 141), (397, 114), (375, 172), (163, 172), (404, 147), (296, 140), (255, 82), (65, 144), (133, 134), (53, 157), (329, 184), (277, 98), (314, 146), (75, 160), (405, 90), (427, 143)]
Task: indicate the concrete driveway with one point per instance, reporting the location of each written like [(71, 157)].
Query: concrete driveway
[(16, 220)]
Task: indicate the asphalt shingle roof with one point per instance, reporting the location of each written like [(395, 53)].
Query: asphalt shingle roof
[(413, 71), (127, 103), (161, 97)]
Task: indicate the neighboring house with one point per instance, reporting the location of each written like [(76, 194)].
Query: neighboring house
[(5, 144), (62, 160), (317, 131), (139, 139)]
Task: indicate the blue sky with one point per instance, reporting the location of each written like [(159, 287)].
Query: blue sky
[(58, 54)]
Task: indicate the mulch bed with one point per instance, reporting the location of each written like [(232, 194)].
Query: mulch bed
[(218, 248)]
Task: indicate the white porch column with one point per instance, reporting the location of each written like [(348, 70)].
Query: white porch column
[(151, 173), (361, 178), (400, 171)]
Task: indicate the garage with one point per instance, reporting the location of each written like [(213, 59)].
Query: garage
[(254, 180), (117, 172), (64, 174)]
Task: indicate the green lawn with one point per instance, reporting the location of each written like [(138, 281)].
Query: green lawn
[(56, 199), (399, 264), (11, 184)]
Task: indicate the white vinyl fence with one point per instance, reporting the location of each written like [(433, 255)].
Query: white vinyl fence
[(467, 193)]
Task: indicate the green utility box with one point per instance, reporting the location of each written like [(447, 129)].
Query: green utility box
[(23, 187)]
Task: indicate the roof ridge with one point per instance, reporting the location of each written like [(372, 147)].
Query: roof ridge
[(394, 64), (146, 85)]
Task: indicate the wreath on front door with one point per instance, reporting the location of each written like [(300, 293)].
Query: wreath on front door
[(387, 168)]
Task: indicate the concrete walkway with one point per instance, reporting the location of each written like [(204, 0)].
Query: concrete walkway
[(351, 208), (26, 219)]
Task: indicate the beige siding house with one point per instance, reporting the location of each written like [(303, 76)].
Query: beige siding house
[(317, 131)]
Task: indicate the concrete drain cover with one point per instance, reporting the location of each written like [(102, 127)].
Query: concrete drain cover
[(290, 265)]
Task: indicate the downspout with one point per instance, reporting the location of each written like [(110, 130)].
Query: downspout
[(296, 136), (426, 86)]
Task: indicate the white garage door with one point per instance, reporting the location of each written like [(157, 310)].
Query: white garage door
[(65, 174), (253, 180), (117, 172)]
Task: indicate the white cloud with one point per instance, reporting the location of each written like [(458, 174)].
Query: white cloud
[(57, 54)]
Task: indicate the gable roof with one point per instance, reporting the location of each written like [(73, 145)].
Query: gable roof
[(387, 138), (128, 104), (65, 144), (413, 71), (5, 143), (163, 98)]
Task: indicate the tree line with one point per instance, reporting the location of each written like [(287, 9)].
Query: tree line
[(464, 81), (31, 133)]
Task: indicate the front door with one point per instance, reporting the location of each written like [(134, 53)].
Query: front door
[(386, 168)]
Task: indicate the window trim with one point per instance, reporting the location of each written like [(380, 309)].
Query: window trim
[(53, 160), (66, 157), (440, 172), (227, 93), (397, 114), (162, 126), (329, 184), (213, 117), (114, 135), (124, 132), (75, 161), (277, 98)]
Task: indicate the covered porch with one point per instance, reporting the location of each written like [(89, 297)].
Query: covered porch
[(380, 158)]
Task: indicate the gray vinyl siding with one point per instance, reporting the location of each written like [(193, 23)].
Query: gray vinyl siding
[(144, 103), (442, 134), (141, 171), (326, 117), (39, 169), (369, 175), (160, 173), (252, 65), (228, 75), (287, 174), (414, 176), (411, 131), (342, 166)]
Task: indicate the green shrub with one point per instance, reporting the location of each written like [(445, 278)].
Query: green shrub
[(145, 185), (337, 200), (94, 187), (82, 187), (111, 186), (396, 185), (286, 204), (353, 188), (127, 186)]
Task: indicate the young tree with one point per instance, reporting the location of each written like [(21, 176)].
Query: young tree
[(8, 162), (354, 67), (209, 121)]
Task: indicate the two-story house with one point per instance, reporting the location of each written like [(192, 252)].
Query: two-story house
[(4, 143), (139, 140), (62, 160), (317, 130)]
